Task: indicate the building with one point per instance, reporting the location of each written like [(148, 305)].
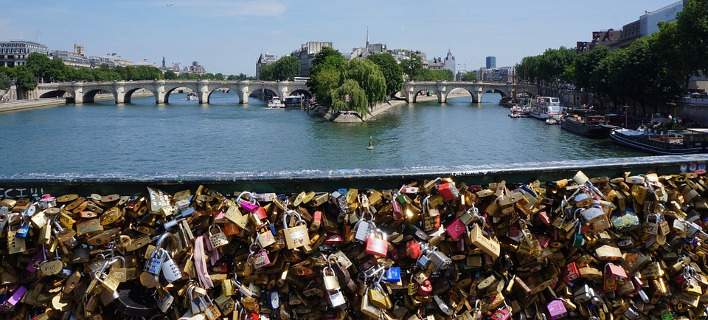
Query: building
[(647, 24), (649, 21), (15, 53), (264, 59), (501, 74), (306, 54), (491, 62), (448, 63), (96, 62), (71, 58), (196, 68)]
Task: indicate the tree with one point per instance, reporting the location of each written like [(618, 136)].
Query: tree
[(323, 81), (585, 68), (327, 74), (392, 72), (434, 75), (4, 81), (469, 76), (349, 97), (25, 79), (370, 79), (286, 68), (170, 75), (412, 67), (692, 34)]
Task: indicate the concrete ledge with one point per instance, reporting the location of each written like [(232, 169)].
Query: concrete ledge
[(328, 180)]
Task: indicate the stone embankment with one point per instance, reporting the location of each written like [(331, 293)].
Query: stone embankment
[(354, 117), (29, 104)]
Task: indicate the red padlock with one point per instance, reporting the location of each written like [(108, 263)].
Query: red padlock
[(376, 244), (571, 273), (426, 288), (261, 213), (413, 250), (448, 191), (501, 314)]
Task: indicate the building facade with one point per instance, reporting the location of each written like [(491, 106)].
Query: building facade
[(264, 59), (306, 54), (71, 58), (649, 22), (15, 53), (491, 62)]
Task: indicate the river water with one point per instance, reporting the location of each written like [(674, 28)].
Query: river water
[(183, 138)]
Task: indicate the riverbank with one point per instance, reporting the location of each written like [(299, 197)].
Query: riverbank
[(22, 105), (354, 117)]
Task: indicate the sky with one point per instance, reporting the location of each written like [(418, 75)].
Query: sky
[(228, 35)]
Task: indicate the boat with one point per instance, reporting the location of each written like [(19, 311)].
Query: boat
[(192, 96), (275, 103), (546, 107), (294, 101), (552, 121), (506, 102), (519, 112), (595, 126), (671, 142)]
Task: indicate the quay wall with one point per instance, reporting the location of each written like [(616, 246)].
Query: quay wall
[(330, 180), (38, 103)]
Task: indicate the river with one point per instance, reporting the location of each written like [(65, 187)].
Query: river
[(183, 138)]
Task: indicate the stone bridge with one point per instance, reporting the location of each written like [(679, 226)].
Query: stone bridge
[(442, 89), (122, 91)]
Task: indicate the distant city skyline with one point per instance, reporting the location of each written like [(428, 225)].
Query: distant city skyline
[(228, 36)]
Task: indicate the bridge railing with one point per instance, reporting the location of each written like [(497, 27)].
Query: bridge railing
[(328, 180)]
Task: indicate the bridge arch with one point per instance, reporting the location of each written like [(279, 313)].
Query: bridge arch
[(90, 95), (259, 92), (177, 89), (469, 90), (231, 91), (129, 93), (304, 92), (503, 93), (58, 93)]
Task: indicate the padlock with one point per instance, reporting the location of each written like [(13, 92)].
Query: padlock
[(392, 274), (248, 205), (556, 309), (413, 249), (363, 228), (376, 244), (448, 191), (296, 236), (439, 260), (331, 282), (218, 238), (259, 257), (264, 236)]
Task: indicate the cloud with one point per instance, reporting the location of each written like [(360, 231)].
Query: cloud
[(229, 8)]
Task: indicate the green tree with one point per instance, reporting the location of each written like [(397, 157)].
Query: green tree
[(434, 75), (412, 67), (25, 79), (327, 74), (323, 81), (692, 35), (286, 68), (349, 97), (370, 79), (4, 81), (469, 76), (170, 75), (585, 68), (391, 70)]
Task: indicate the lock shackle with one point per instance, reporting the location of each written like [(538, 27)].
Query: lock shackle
[(251, 198), (116, 259), (213, 226), (250, 248), (165, 236), (289, 213)]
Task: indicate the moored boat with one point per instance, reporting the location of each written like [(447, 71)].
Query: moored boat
[(672, 142), (275, 103), (546, 107), (596, 127)]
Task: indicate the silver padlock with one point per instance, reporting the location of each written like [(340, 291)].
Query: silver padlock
[(439, 260), (165, 302), (336, 298), (363, 229), (154, 265), (170, 270), (331, 282)]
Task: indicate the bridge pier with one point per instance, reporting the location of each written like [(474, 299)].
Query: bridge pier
[(78, 94), (159, 92), (203, 93), (442, 97), (119, 91), (243, 96)]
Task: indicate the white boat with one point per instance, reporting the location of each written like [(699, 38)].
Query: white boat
[(546, 107), (192, 96), (275, 103)]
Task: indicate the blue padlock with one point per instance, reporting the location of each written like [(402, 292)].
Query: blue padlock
[(23, 232), (423, 261), (393, 274)]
